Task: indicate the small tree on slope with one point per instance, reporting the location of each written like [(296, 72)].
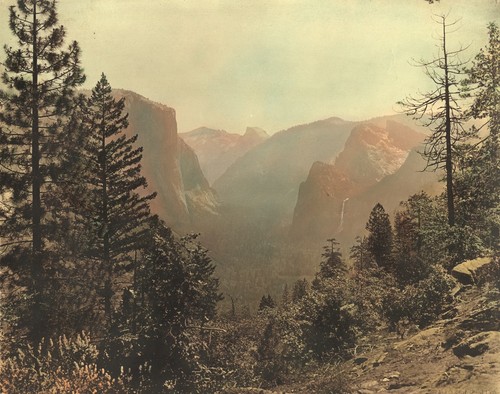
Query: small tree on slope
[(380, 236)]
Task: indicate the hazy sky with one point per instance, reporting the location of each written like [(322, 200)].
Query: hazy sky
[(269, 63)]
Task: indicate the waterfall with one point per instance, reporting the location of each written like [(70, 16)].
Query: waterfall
[(342, 215)]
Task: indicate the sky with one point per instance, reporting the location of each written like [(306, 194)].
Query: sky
[(229, 64)]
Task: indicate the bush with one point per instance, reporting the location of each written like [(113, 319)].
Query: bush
[(234, 350), (282, 348), (420, 303), (490, 274), (369, 290), (328, 323), (57, 367)]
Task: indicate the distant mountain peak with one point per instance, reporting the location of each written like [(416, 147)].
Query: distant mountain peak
[(256, 132), (372, 153), (336, 120), (218, 149), (206, 132)]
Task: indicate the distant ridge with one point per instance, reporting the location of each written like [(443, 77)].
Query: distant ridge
[(218, 149)]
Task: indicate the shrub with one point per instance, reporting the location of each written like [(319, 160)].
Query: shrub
[(57, 367), (491, 273), (420, 303), (328, 322), (281, 348)]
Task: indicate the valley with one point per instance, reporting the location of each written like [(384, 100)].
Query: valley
[(276, 199)]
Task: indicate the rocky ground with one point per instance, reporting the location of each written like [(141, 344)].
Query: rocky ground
[(460, 353)]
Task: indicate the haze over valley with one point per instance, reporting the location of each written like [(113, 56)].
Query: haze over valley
[(276, 199)]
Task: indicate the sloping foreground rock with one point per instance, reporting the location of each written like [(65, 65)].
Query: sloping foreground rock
[(454, 355)]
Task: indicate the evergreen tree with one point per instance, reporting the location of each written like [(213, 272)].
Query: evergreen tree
[(440, 110), (380, 236), (285, 296), (360, 254), (266, 302), (328, 324), (174, 296), (478, 181), (117, 213), (408, 264), (426, 231), (300, 289), (332, 266), (41, 77)]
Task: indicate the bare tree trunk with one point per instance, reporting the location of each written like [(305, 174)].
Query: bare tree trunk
[(449, 167)]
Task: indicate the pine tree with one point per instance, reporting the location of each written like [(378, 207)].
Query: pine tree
[(478, 181), (175, 293), (118, 214), (440, 109), (360, 254), (41, 77), (300, 290), (266, 302), (332, 266), (285, 296), (408, 264), (380, 236)]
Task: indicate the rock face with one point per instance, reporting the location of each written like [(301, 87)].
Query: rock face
[(469, 271), (377, 164), (218, 149), (169, 165), (265, 181), (372, 152)]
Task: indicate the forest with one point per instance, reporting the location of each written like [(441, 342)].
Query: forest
[(100, 295)]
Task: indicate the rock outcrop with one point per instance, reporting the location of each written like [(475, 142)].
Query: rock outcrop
[(469, 271), (454, 355), (170, 166), (377, 164)]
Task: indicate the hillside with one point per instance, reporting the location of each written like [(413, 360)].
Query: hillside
[(371, 154), (459, 353)]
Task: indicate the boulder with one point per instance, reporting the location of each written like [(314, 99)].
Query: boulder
[(478, 344), (468, 271)]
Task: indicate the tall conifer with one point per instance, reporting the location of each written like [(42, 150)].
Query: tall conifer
[(116, 210), (40, 78), (478, 182)]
